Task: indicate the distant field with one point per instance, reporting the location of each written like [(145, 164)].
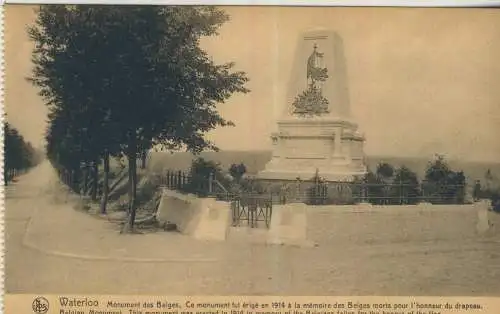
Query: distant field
[(255, 161)]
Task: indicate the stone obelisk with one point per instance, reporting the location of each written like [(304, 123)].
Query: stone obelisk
[(316, 132)]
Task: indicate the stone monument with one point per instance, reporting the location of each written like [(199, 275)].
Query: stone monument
[(316, 132)]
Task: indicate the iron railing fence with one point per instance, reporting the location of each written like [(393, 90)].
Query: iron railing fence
[(318, 192), (378, 193), (312, 192), (11, 174)]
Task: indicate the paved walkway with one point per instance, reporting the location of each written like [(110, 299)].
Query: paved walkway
[(52, 248)]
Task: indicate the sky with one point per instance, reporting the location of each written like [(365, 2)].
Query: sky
[(421, 81)]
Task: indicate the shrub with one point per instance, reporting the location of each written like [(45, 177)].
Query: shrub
[(442, 185), (199, 174), (407, 187), (237, 171), (385, 171)]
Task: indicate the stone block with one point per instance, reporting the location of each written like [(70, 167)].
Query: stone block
[(201, 218), (289, 225), (214, 221)]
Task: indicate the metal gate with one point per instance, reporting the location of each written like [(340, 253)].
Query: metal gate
[(252, 209)]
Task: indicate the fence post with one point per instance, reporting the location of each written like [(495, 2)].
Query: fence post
[(363, 191), (179, 175), (400, 192), (210, 183)]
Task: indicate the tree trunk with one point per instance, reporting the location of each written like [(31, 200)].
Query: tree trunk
[(95, 180), (144, 156), (132, 177), (85, 182), (105, 188)]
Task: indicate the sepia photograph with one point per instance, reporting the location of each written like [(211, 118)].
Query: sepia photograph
[(251, 150)]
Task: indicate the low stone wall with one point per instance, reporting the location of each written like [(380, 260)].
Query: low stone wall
[(201, 218), (368, 224)]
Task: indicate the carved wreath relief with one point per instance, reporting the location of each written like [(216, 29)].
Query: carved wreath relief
[(311, 102)]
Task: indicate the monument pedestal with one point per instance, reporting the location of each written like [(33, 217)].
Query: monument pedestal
[(302, 146)]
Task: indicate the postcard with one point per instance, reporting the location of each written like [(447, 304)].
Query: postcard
[(251, 159)]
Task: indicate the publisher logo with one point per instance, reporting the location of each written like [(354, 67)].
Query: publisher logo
[(40, 305)]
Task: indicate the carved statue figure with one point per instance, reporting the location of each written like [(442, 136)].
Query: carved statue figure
[(311, 102)]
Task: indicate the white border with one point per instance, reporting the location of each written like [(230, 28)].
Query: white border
[(344, 3)]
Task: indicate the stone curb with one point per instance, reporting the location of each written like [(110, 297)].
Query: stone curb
[(26, 243)]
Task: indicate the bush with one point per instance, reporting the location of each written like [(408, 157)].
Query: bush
[(388, 186), (237, 171), (200, 175), (442, 185), (407, 188), (385, 171)]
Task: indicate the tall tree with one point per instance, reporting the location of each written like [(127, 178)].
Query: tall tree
[(140, 66), (18, 153)]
